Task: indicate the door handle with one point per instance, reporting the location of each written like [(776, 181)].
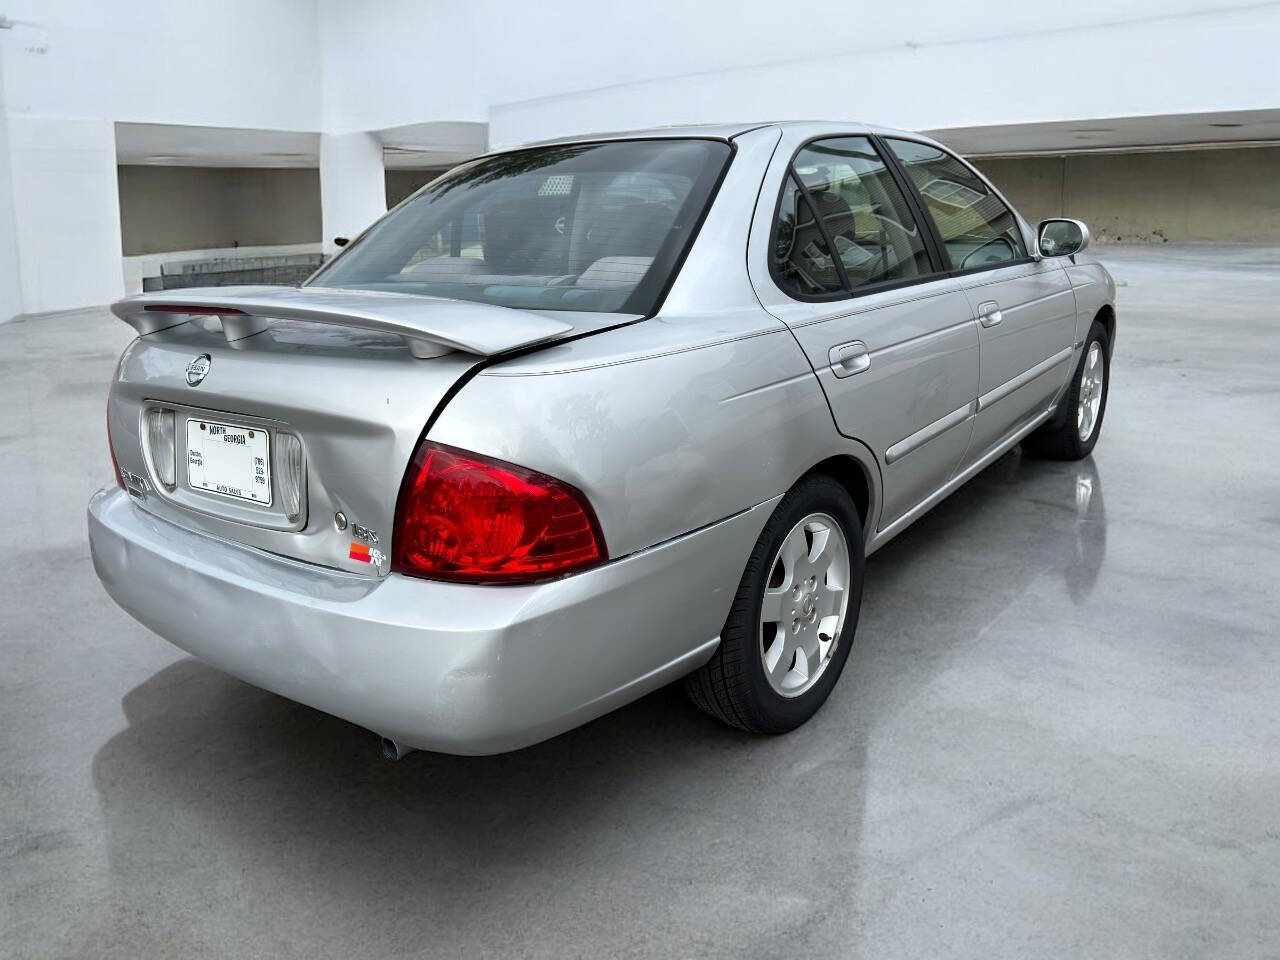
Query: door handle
[(989, 313), (849, 358)]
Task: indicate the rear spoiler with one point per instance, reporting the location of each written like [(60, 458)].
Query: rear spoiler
[(431, 326)]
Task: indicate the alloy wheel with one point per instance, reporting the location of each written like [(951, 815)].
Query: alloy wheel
[(1092, 380), (804, 604)]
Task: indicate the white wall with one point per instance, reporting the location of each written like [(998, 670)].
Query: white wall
[(353, 186), (66, 210), (72, 68), (238, 63), (538, 70), (532, 70), (10, 272), (398, 62)]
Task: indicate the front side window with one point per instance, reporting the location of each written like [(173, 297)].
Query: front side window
[(977, 229), (589, 227), (843, 223)]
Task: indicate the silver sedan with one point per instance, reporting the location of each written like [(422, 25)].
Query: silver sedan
[(581, 419)]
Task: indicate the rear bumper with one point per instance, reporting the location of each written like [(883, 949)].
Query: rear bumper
[(439, 666)]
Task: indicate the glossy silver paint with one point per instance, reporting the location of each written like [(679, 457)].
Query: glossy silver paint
[(682, 430), (441, 666)]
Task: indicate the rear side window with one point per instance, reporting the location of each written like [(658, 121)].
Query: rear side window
[(588, 227), (843, 224), (977, 229), (802, 261)]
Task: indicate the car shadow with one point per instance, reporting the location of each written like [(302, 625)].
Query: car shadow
[(1022, 517), (213, 771)]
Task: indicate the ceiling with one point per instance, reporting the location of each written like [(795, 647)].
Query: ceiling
[(172, 145), (437, 144), (443, 144), (1118, 134), (417, 146)]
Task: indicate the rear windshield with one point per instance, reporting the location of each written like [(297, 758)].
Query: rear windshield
[(592, 227)]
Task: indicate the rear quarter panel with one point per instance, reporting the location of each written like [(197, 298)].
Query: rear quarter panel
[(663, 435)]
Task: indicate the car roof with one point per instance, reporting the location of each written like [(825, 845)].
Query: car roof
[(727, 131)]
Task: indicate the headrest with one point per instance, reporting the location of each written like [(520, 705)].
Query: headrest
[(611, 273)]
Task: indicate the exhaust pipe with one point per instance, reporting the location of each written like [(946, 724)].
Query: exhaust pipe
[(394, 751)]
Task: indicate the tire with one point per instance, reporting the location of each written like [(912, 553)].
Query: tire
[(736, 686), (1060, 438)]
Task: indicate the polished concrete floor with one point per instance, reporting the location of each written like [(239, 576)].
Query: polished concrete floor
[(1058, 734)]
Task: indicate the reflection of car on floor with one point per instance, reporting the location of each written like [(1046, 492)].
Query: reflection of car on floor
[(583, 418)]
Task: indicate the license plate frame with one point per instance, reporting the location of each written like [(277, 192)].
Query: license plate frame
[(237, 469)]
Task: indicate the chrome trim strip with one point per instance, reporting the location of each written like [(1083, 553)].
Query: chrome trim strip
[(923, 436), (1022, 379), (886, 534)]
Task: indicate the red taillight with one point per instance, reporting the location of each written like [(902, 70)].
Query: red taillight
[(195, 311), (465, 517)]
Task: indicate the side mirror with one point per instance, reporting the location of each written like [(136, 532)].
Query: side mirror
[(1061, 237), (343, 241)]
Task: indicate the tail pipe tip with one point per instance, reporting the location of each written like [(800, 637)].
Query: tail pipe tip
[(391, 750)]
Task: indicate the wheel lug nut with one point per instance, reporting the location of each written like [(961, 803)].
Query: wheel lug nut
[(795, 592), (795, 626)]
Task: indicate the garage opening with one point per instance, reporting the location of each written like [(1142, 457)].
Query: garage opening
[(214, 206), (212, 226), (1219, 195)]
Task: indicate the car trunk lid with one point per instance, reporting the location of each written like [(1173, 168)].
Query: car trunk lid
[(330, 389)]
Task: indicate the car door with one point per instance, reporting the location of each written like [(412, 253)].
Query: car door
[(839, 255), (1024, 306)]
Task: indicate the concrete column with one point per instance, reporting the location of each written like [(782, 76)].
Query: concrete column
[(353, 189), (66, 211), (10, 272)]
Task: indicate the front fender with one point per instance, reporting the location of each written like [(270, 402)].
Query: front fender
[(1094, 289)]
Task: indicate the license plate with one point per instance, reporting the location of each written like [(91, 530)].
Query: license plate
[(229, 460)]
